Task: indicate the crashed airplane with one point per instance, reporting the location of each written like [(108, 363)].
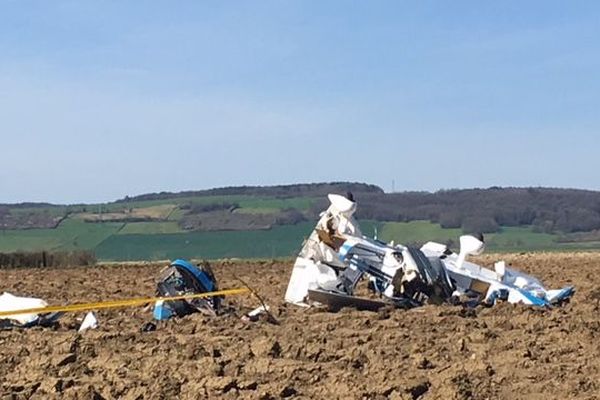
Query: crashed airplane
[(337, 256)]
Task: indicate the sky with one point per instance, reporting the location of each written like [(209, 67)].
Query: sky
[(103, 99)]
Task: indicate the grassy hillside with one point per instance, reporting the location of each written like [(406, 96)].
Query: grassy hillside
[(273, 221), (417, 232), (150, 228), (71, 234), (281, 241), (163, 240)]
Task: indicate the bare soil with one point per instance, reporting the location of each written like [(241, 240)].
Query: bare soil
[(434, 352)]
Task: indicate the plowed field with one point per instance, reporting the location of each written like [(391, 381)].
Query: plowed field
[(433, 352)]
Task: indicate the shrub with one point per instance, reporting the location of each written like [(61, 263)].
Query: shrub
[(43, 259)]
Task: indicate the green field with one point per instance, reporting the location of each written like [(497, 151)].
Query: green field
[(281, 241), (71, 234), (158, 240), (257, 210), (515, 239), (285, 241), (150, 228), (417, 232)]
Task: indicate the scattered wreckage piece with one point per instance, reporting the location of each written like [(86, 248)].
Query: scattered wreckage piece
[(9, 302), (501, 284), (90, 321), (336, 301), (254, 315), (183, 278), (336, 256)]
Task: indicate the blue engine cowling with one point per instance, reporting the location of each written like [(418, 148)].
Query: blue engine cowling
[(180, 278)]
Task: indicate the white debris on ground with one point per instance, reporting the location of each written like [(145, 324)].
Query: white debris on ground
[(9, 302), (89, 322)]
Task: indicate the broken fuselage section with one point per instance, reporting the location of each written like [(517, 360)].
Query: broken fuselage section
[(490, 286), (182, 278), (337, 256)]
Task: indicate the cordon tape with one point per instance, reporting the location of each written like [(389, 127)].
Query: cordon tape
[(119, 303)]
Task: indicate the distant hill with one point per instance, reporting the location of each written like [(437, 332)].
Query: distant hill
[(256, 221), (297, 190), (549, 210)]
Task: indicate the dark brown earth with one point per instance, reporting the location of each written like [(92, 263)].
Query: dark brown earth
[(434, 352)]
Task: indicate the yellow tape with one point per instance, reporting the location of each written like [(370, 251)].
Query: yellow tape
[(119, 303)]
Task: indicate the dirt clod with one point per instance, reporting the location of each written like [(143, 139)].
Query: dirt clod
[(68, 359)]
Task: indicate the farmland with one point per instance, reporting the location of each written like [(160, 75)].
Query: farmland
[(165, 240), (433, 352), (281, 241), (264, 223), (71, 234)]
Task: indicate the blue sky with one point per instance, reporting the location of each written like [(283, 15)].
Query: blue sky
[(103, 99)]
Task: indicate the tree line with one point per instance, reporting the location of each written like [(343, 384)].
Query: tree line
[(296, 190), (549, 210), (485, 210)]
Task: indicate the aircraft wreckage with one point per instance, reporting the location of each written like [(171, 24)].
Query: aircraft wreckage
[(333, 260), (336, 256)]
